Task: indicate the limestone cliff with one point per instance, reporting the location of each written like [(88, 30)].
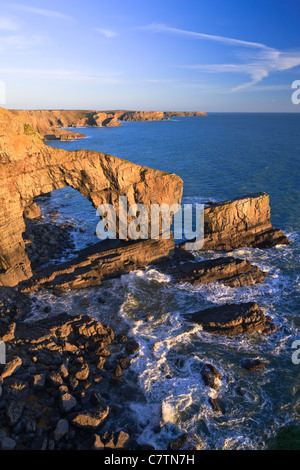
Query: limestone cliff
[(29, 168), (48, 123), (184, 113), (142, 116), (244, 221)]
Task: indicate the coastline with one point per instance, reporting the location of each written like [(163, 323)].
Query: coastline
[(21, 382), (47, 122)]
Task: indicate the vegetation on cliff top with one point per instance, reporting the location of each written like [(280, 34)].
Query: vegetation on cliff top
[(28, 130)]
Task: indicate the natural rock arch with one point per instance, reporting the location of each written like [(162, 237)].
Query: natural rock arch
[(28, 168)]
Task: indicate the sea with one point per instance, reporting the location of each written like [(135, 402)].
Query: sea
[(219, 157)]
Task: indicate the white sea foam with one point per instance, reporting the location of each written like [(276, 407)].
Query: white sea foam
[(172, 350)]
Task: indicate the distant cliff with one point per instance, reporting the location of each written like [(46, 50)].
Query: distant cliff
[(184, 113), (50, 124)]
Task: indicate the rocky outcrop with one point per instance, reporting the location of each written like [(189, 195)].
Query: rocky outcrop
[(186, 442), (49, 123), (184, 113), (62, 135), (232, 272), (253, 365), (232, 319), (142, 116), (106, 120), (29, 168), (211, 376), (244, 221), (52, 387), (45, 242), (99, 262), (111, 259)]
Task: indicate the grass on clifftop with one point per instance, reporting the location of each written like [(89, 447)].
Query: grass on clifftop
[(28, 130)]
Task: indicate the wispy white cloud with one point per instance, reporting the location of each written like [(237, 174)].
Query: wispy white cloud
[(160, 80), (6, 24), (19, 42), (256, 59), (40, 11), (108, 33), (42, 73), (112, 78), (269, 88), (161, 28)]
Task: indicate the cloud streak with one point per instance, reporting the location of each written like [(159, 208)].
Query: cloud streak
[(7, 24), (108, 33), (19, 42), (40, 11), (258, 62), (112, 78), (161, 28)]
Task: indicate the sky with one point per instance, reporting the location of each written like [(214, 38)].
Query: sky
[(192, 55)]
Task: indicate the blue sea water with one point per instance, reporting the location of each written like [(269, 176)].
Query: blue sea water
[(219, 157)]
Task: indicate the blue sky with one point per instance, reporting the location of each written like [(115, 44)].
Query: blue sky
[(211, 55)]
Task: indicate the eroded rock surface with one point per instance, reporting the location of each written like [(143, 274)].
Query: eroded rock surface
[(229, 271), (211, 376), (231, 319), (102, 261), (48, 123), (44, 404), (244, 221), (29, 168)]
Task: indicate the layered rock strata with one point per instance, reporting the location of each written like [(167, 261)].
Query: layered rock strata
[(232, 319), (99, 262), (232, 272), (29, 168), (49, 123), (244, 221)]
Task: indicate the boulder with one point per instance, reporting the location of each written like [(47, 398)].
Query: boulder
[(186, 442), (61, 430), (231, 319), (90, 420), (211, 376), (11, 367), (232, 272), (8, 444), (253, 365), (67, 403)]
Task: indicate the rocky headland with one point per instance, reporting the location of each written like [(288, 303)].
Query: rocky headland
[(50, 124), (67, 375), (29, 169)]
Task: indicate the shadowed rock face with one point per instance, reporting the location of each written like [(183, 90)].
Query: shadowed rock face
[(229, 271), (244, 221), (231, 319), (241, 222), (104, 260), (28, 168)]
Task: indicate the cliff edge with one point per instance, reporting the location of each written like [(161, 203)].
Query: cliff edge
[(50, 124), (29, 168)]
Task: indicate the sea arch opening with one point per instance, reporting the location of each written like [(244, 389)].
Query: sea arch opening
[(57, 226)]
